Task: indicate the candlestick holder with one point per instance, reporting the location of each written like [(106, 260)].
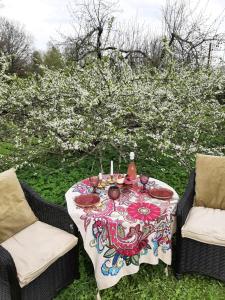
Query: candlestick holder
[(111, 179), (100, 184)]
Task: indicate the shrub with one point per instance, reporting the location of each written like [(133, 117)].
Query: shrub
[(173, 111)]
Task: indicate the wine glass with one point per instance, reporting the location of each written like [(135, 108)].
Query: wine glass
[(144, 181), (114, 193), (94, 181)]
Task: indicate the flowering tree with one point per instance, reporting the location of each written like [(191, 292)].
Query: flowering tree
[(172, 111)]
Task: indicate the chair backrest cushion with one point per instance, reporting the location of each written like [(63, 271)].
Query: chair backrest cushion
[(15, 212), (210, 181)]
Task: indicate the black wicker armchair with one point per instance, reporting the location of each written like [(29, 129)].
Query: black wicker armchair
[(193, 256), (61, 273)]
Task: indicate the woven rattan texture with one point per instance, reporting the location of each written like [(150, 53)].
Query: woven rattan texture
[(58, 275), (193, 256)]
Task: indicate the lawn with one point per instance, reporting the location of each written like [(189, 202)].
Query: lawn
[(53, 177)]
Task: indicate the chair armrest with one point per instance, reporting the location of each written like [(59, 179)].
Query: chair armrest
[(52, 214), (8, 277), (186, 203)]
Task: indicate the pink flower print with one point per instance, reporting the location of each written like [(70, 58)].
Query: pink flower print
[(144, 211)]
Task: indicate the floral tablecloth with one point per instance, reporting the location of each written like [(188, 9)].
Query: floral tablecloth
[(139, 230)]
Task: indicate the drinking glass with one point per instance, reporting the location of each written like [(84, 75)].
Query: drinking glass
[(114, 194), (94, 181), (144, 181)]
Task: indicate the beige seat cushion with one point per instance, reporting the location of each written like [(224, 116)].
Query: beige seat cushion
[(205, 225), (15, 212), (36, 247), (210, 181)]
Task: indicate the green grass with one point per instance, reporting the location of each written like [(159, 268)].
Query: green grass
[(52, 178)]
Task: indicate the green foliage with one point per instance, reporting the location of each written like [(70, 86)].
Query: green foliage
[(53, 59), (36, 63)]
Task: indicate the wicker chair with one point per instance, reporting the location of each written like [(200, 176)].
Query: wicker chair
[(58, 275), (193, 256)]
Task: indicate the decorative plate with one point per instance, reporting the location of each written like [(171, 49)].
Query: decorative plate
[(161, 193), (87, 200)]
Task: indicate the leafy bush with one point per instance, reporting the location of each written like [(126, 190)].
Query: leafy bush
[(173, 111)]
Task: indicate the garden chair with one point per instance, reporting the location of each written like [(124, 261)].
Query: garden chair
[(42, 258), (200, 243)]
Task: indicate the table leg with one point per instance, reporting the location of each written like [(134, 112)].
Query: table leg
[(98, 297), (166, 271)]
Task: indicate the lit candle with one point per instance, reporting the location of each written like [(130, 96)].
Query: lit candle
[(100, 176), (111, 168)]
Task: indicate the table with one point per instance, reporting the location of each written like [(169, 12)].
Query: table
[(138, 231)]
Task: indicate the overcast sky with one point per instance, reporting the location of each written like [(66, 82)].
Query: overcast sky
[(44, 18)]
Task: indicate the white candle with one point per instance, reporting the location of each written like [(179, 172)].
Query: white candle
[(111, 168), (100, 176)]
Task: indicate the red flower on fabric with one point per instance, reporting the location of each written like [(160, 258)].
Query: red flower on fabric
[(143, 211), (98, 223), (143, 244)]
